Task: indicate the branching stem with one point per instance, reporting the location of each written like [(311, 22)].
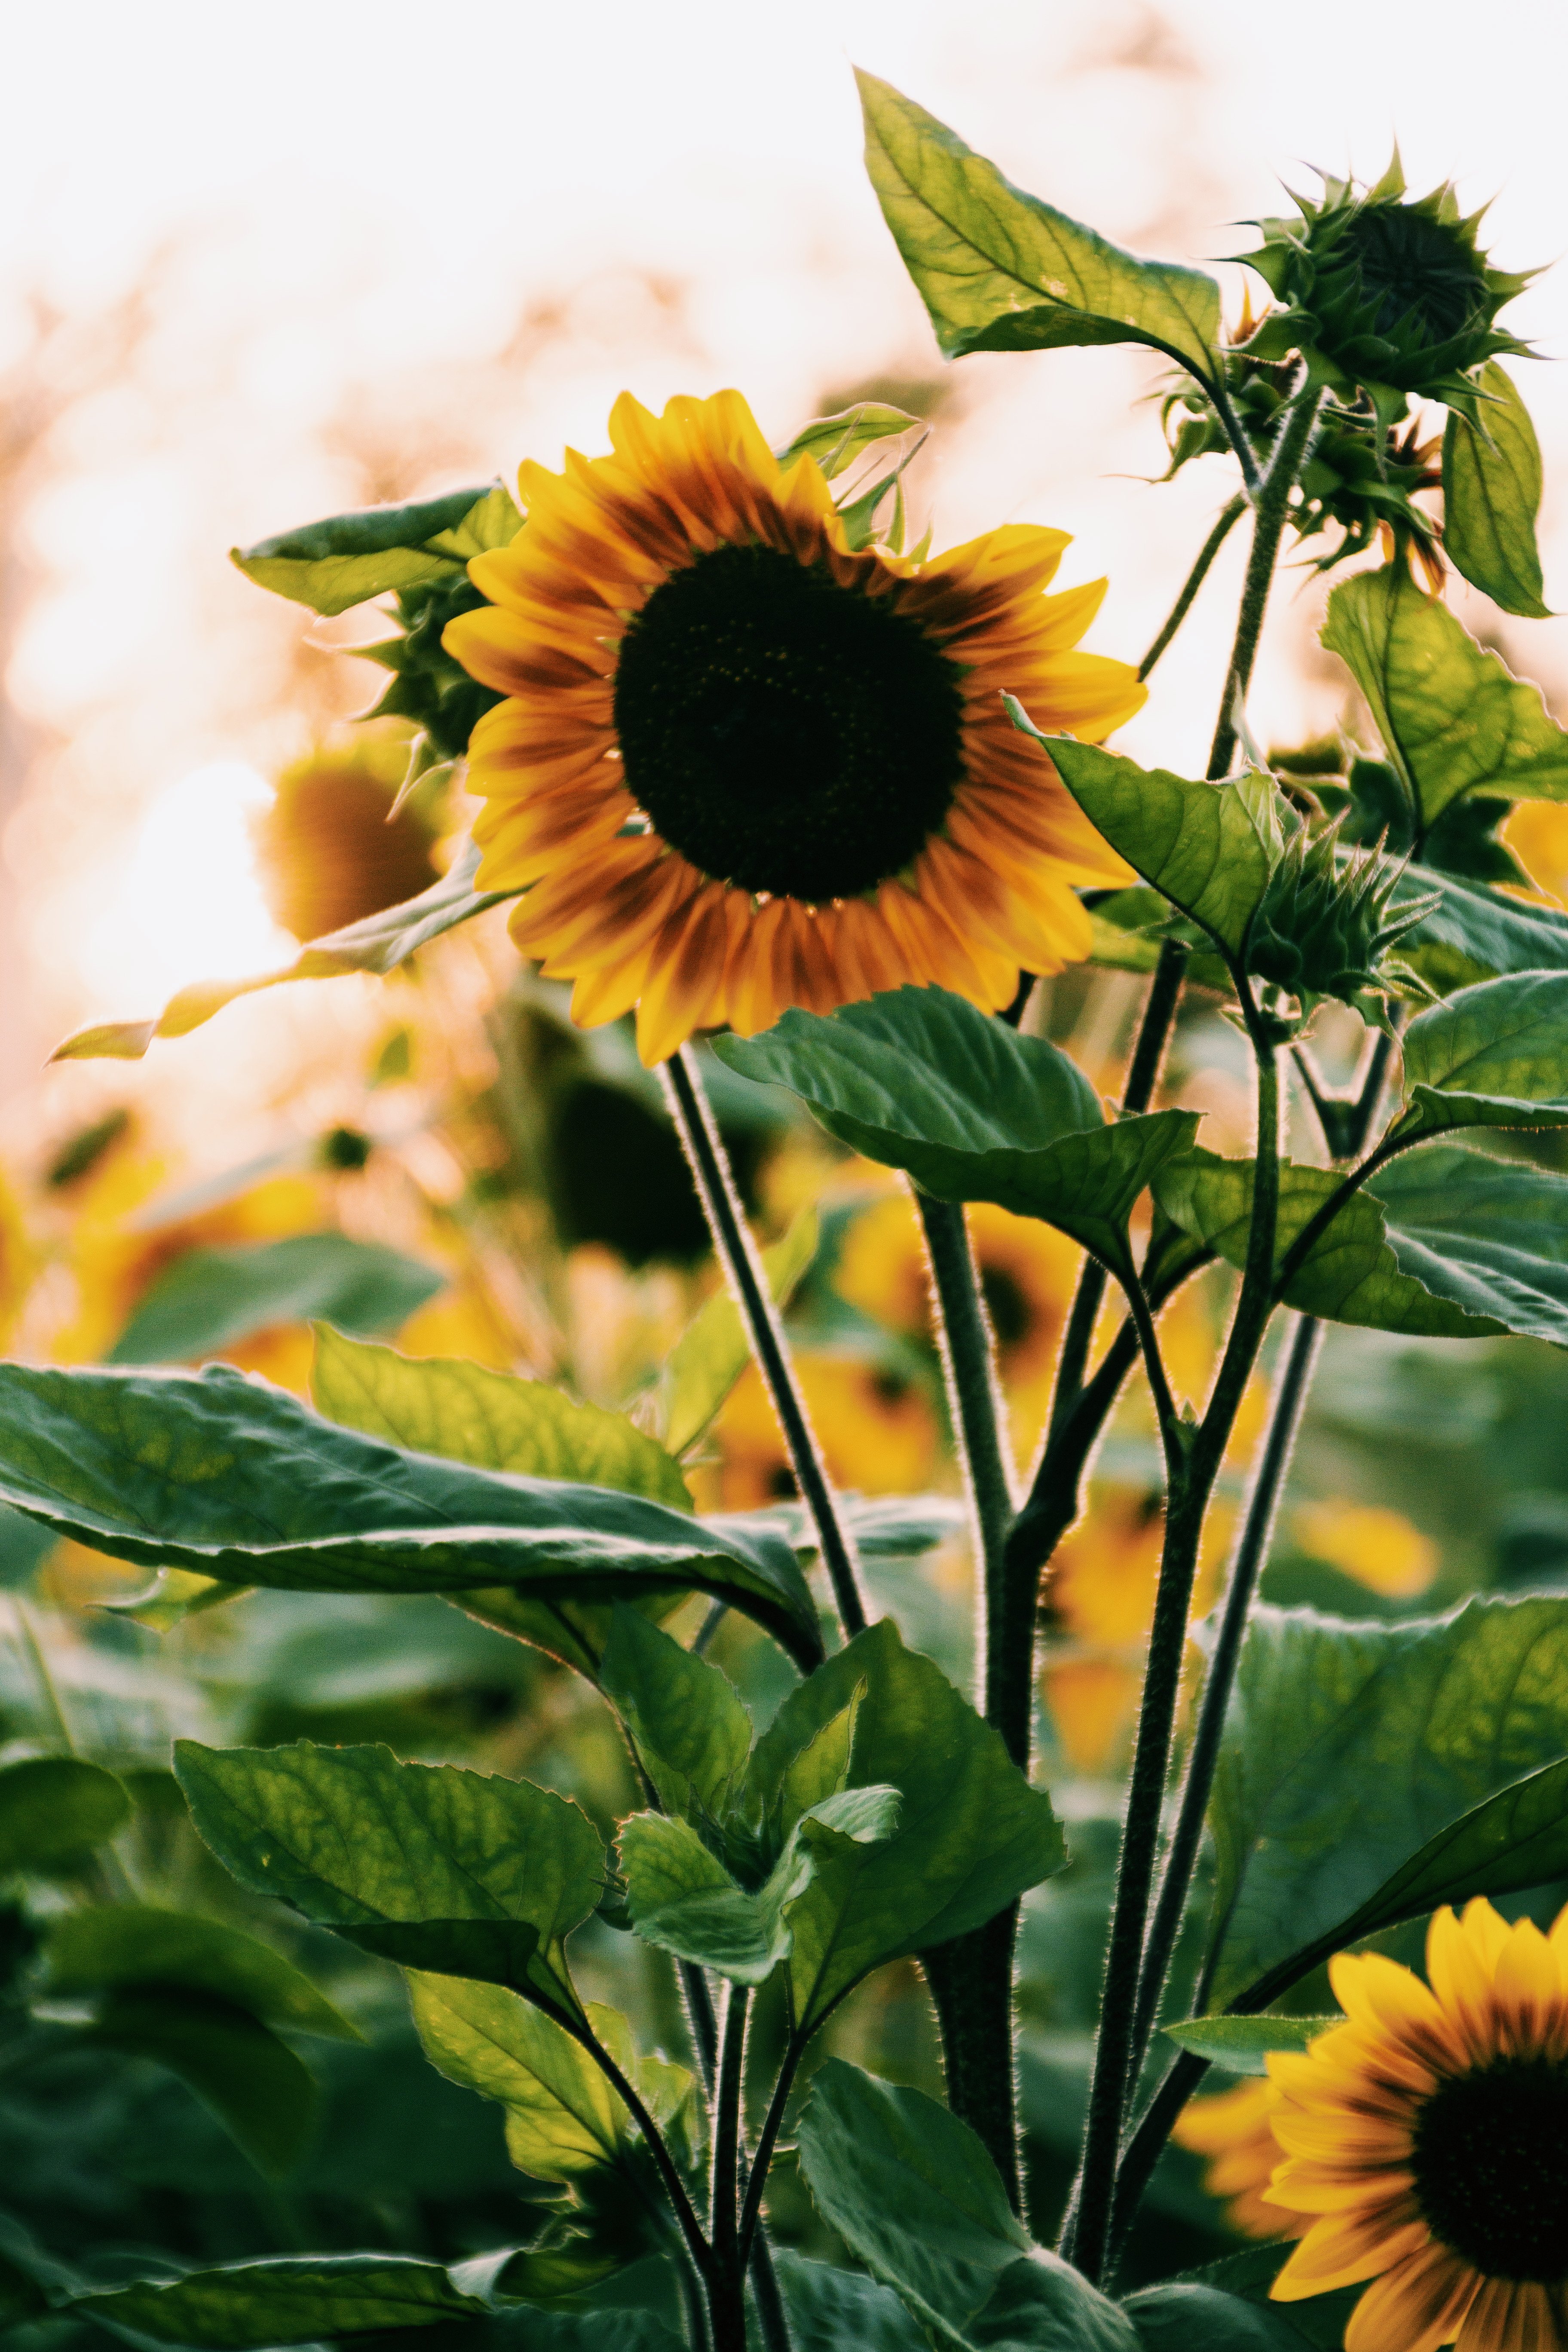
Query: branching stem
[(1228, 514)]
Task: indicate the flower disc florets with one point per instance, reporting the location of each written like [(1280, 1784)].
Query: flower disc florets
[(1384, 293), (1324, 926)]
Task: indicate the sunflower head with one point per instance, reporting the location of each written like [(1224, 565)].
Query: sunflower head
[(1384, 291), (744, 761), (326, 851)]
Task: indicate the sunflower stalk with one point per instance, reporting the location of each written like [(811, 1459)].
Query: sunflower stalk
[(738, 1254), (1230, 513)]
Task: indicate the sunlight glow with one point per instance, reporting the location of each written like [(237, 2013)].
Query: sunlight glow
[(190, 905)]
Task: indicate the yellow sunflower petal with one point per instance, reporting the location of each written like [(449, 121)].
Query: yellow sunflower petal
[(1343, 2249), (1418, 2306)]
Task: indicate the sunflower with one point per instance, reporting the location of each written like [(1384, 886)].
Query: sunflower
[(1426, 2143), (878, 1434), (1379, 1547), (743, 764), (1234, 2131)]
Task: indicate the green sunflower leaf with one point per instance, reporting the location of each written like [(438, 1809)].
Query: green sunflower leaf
[(1474, 933), (1351, 1753), (464, 1412), (1185, 2313), (287, 2299), (378, 943), (211, 1298), (1211, 848), (916, 2198), (253, 2082), (1452, 716), (228, 1477), (830, 2308), (921, 1079), (1493, 1056), (562, 2118), (713, 1350), (436, 1868), (1491, 496), (692, 1736), (1000, 271), (1242, 2044), (345, 559), (54, 1810), (133, 1944)]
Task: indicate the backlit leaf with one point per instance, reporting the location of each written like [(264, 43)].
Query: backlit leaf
[(347, 559), (290, 2299), (835, 442), (1000, 271), (562, 2118), (690, 1731), (1493, 1056), (1491, 496)]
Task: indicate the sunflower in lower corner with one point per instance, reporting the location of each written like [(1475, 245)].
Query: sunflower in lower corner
[(743, 764), (1426, 2143)]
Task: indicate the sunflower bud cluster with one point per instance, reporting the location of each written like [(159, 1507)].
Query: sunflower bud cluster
[(1324, 926), (1384, 293), (430, 688)]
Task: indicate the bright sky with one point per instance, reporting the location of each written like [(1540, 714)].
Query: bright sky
[(359, 194)]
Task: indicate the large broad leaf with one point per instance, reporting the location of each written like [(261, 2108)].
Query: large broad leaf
[(434, 1404), (236, 2066), (133, 1944), (713, 1350), (1442, 1243), (1474, 933), (231, 1478), (919, 1079), (378, 943), (435, 1868), (1349, 1746), (1184, 2315), (1000, 271), (914, 2195), (1452, 716), (288, 2300), (347, 559), (211, 1298), (54, 1810), (1210, 847), (1493, 1056), (1491, 496), (562, 2116), (831, 2310), (1246, 2277)]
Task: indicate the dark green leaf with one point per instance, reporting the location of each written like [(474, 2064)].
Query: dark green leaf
[(235, 2066), (433, 1405), (133, 1944), (1452, 716), (435, 1868), (1491, 496), (1185, 2316), (227, 1478), (1474, 933), (1000, 271), (288, 2300), (1211, 848), (347, 559), (835, 442), (915, 2196), (24, 1548), (1493, 1056), (919, 1079), (1241, 2045), (1349, 1748), (211, 1298), (690, 1731), (54, 1810), (713, 1350), (22, 2299), (378, 944), (1320, 2321), (832, 2310)]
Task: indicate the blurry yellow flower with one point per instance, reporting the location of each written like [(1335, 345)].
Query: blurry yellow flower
[(1236, 2131), (878, 1434), (18, 1261), (1027, 1274), (325, 852), (1380, 1549), (460, 1320), (1537, 832)]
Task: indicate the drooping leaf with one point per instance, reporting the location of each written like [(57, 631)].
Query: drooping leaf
[(1474, 933), (1493, 1056), (438, 1869), (133, 1944), (921, 1079), (54, 1810), (914, 2195), (228, 1477), (562, 2118), (211, 1298), (347, 559), (1348, 1748), (835, 442), (286, 2299), (1000, 271), (713, 1350), (378, 943), (1491, 496), (253, 2082), (464, 1412), (1452, 716), (690, 1731), (880, 1527), (1241, 2045), (829, 2310), (1210, 847)]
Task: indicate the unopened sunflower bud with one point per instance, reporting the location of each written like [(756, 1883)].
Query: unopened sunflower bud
[(1324, 926)]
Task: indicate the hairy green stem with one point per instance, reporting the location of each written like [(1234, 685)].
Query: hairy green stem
[(1271, 508), (767, 2139), (1225, 408), (741, 1261), (723, 2218), (968, 1361), (971, 1984), (1228, 514), (685, 2213)]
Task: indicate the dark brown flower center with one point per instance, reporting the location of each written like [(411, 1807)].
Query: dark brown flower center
[(1491, 2168), (783, 732)]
